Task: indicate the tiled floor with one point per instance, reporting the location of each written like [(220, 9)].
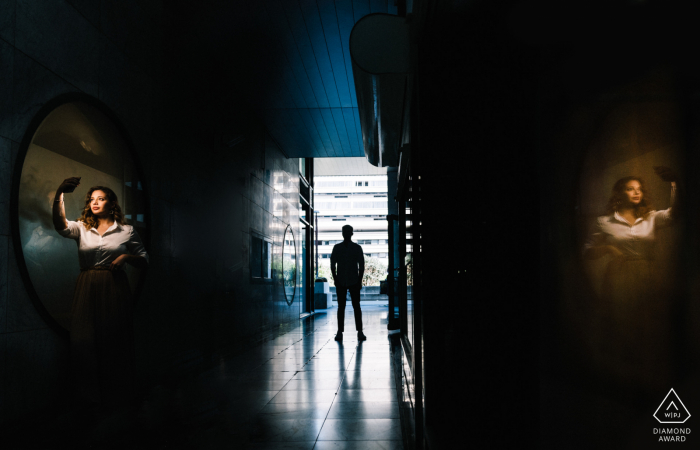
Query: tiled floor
[(303, 390), (300, 390)]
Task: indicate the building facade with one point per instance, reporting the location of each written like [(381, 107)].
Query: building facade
[(356, 200)]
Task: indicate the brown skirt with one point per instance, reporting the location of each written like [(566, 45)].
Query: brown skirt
[(101, 338), (634, 325)]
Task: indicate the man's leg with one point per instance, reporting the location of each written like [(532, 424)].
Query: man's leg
[(341, 292), (355, 297)]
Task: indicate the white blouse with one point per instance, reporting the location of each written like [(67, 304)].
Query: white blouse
[(94, 249), (635, 241)]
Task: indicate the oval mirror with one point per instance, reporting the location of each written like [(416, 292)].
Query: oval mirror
[(289, 265), (74, 139)]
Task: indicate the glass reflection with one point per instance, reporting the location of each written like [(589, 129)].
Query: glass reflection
[(75, 138), (289, 265), (628, 244)]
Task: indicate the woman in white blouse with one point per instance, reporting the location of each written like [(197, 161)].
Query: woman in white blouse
[(632, 316), (101, 333)]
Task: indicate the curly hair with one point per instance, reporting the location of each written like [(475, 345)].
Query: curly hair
[(618, 197), (89, 219)]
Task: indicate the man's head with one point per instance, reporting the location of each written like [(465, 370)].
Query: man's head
[(347, 232)]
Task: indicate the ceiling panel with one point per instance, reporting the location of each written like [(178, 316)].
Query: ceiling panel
[(379, 6), (295, 60), (342, 131), (314, 32), (332, 131), (360, 8), (312, 132), (279, 30), (345, 23), (352, 133), (329, 20), (322, 132), (300, 36)]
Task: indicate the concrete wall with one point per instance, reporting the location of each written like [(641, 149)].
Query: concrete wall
[(204, 197)]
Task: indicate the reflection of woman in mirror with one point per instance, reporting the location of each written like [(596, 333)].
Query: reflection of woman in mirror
[(632, 333), (101, 332)]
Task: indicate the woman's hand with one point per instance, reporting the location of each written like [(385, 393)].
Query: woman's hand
[(69, 184), (118, 264), (666, 173)]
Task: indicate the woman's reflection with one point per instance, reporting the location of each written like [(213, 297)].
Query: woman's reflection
[(101, 332), (632, 329)]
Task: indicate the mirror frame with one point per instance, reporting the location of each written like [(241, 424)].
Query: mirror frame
[(32, 128), (296, 271)]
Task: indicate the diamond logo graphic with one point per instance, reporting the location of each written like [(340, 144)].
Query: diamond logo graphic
[(672, 409)]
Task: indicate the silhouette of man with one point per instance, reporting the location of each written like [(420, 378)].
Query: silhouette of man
[(350, 259)]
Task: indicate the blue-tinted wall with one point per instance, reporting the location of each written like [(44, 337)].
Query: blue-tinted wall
[(204, 197)]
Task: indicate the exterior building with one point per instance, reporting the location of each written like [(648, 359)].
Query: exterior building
[(359, 201)]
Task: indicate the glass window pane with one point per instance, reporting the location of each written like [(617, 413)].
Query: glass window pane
[(266, 259), (256, 257)]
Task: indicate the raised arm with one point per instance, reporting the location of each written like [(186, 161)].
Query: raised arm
[(669, 175), (59, 212)]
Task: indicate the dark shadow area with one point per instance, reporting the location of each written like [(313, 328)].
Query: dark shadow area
[(615, 102)]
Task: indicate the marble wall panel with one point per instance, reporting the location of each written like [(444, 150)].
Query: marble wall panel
[(14, 151), (152, 8), (256, 190), (7, 21), (7, 59), (161, 229), (256, 220), (4, 255), (4, 410), (126, 89), (248, 316), (159, 187), (243, 218), (278, 203), (37, 373), (245, 255), (61, 39), (134, 32), (157, 292), (267, 223), (90, 9), (34, 85), (267, 197), (5, 183), (20, 313)]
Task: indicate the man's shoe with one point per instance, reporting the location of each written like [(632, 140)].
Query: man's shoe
[(361, 336), (339, 336)]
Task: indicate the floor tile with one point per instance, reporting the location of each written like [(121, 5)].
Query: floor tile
[(360, 430), (320, 375), (364, 410), (297, 410), (366, 395), (306, 445), (320, 396), (359, 445), (267, 429), (366, 380), (312, 384)]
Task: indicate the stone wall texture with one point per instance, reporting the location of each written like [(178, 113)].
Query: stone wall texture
[(205, 197)]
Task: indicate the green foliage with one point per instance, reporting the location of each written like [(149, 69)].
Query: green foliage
[(324, 270), (375, 271)]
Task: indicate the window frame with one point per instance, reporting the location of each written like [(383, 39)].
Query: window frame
[(265, 239)]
